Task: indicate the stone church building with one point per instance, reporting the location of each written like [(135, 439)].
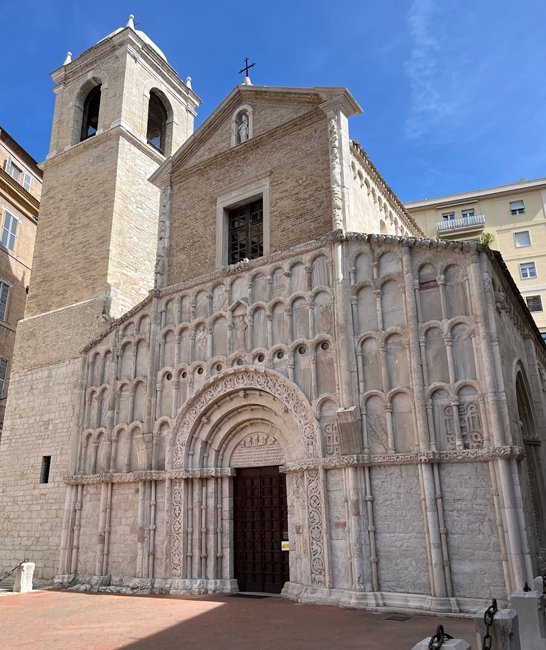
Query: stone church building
[(243, 367)]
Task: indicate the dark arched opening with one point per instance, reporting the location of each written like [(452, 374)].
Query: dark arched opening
[(156, 130), (91, 108)]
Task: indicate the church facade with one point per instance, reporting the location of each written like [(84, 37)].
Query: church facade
[(269, 379)]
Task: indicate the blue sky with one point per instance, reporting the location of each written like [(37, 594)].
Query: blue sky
[(453, 92)]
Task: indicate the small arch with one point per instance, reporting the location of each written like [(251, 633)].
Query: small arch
[(90, 113), (242, 125), (156, 128)]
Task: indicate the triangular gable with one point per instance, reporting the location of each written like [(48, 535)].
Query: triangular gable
[(271, 107)]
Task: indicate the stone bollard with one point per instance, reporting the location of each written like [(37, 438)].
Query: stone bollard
[(504, 631), (529, 606), (450, 644), (23, 577), (443, 640)]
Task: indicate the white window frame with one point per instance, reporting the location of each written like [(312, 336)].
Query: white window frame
[(526, 267), (234, 196), (19, 171), (469, 212), (517, 210), (3, 316), (18, 222), (522, 232), (448, 216)]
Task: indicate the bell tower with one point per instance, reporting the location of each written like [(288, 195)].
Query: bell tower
[(120, 111)]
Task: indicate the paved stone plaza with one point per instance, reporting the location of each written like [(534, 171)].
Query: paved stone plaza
[(64, 620)]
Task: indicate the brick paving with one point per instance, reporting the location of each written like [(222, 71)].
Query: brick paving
[(50, 620)]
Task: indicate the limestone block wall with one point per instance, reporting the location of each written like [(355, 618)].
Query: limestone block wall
[(32, 513), (424, 508), (300, 193), (374, 207)]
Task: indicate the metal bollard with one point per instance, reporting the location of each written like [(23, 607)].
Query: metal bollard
[(23, 577)]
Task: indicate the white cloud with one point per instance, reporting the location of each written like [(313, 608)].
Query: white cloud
[(426, 69)]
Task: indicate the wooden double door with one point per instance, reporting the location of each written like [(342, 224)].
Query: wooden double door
[(260, 527)]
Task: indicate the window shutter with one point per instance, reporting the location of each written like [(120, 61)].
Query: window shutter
[(27, 180), (3, 366), (4, 292)]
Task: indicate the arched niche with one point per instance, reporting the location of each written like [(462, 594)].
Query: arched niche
[(456, 292), (279, 324), (320, 272), (429, 294), (389, 263), (329, 428), (200, 347), (219, 337), (260, 288), (298, 278), (436, 356), (403, 423), (323, 313), (366, 309), (397, 362), (142, 353), (463, 352), (300, 319), (166, 401), (302, 370), (371, 365), (242, 125), (326, 375), (376, 425), (87, 110), (363, 267), (392, 305), (202, 305), (259, 328), (168, 348)]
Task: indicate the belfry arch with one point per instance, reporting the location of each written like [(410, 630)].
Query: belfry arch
[(246, 418)]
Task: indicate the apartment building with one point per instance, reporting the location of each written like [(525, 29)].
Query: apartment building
[(513, 215), (20, 190)]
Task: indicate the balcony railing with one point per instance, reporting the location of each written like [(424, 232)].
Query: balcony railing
[(473, 222)]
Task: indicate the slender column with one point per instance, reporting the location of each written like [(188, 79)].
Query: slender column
[(99, 561), (371, 529), (354, 519), (107, 529), (450, 362), (189, 528), (151, 395), (310, 319), (140, 524), (390, 431), (456, 424), (77, 527), (377, 294), (67, 530), (443, 529), (152, 527), (443, 301), (500, 528)]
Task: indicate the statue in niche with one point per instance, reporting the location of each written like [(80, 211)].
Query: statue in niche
[(243, 129)]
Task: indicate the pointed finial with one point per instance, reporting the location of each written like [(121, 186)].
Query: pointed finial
[(247, 82), (188, 82), (68, 58), (131, 22)]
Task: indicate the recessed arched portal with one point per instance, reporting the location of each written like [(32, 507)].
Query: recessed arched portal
[(251, 423)]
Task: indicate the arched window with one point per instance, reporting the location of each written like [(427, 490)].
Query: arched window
[(91, 108), (156, 130)]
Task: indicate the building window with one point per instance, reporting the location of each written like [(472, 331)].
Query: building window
[(44, 471), (534, 303), (448, 216), (522, 239), (15, 172), (527, 270), (9, 230), (543, 334), (466, 214), (3, 369), (27, 181), (156, 130), (4, 293), (245, 236), (517, 207), (91, 107)]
